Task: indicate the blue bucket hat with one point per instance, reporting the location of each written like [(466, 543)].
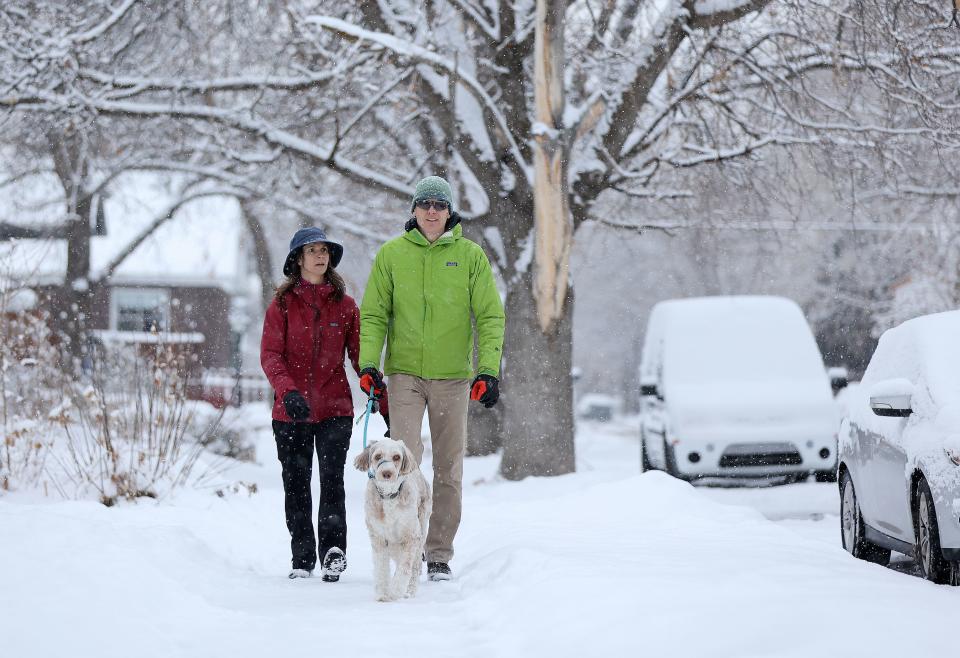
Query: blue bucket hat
[(307, 236)]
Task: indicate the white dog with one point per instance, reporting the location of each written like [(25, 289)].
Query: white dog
[(397, 508)]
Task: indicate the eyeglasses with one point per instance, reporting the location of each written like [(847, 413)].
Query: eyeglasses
[(427, 204)]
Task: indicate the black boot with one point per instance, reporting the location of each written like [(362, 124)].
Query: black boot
[(334, 564), (438, 571)]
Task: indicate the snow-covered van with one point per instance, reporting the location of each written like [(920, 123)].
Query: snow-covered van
[(735, 386)]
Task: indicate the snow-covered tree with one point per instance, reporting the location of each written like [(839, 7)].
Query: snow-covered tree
[(536, 111)]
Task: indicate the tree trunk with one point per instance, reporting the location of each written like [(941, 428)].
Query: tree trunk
[(77, 291), (484, 429), (261, 251), (538, 349), (537, 389), (74, 299), (552, 220), (484, 426)]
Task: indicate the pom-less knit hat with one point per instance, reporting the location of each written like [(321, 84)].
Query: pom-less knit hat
[(307, 236), (433, 187)]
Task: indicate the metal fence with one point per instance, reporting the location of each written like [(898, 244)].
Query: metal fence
[(225, 387)]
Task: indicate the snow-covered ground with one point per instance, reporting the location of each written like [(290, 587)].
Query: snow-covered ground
[(605, 562)]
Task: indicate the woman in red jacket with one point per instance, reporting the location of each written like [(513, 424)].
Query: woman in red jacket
[(309, 325)]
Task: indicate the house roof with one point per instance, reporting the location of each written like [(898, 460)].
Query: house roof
[(202, 245)]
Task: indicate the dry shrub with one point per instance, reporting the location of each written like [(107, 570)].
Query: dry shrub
[(30, 383), (127, 429)]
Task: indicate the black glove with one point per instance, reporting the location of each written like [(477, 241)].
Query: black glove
[(372, 378), (296, 406), (386, 419), (486, 390)]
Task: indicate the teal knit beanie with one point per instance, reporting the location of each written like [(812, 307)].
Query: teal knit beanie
[(433, 187)]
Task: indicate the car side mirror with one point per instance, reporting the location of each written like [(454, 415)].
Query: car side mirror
[(650, 390), (839, 378), (892, 398)]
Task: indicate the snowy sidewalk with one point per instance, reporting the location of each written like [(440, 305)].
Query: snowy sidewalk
[(605, 562)]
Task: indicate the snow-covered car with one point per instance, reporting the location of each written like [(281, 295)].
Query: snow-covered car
[(735, 386), (599, 407), (899, 448)]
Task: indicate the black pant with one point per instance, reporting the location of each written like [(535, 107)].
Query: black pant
[(295, 443)]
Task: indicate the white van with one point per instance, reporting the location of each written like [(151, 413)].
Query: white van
[(735, 386)]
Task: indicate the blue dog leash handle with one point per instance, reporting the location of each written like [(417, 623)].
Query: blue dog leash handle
[(366, 423)]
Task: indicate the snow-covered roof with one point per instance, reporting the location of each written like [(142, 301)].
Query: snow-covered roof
[(202, 245)]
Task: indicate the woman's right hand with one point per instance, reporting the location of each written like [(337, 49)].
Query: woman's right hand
[(296, 406)]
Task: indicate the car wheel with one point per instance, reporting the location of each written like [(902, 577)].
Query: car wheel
[(671, 461), (826, 476), (927, 547), (645, 464), (851, 526)]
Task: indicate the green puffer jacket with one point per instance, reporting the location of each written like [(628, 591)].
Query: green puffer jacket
[(420, 297)]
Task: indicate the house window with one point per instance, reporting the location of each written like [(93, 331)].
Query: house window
[(140, 309)]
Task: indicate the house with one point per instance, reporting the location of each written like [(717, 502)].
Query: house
[(191, 283)]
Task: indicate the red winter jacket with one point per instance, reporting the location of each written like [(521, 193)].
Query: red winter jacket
[(303, 347)]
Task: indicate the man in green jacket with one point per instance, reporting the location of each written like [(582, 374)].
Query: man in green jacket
[(422, 291)]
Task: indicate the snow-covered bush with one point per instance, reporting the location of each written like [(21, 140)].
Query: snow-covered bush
[(30, 380), (227, 432), (125, 428)]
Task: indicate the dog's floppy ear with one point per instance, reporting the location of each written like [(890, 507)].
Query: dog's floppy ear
[(362, 461), (409, 461)]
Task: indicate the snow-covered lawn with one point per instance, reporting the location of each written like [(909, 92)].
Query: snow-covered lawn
[(605, 562)]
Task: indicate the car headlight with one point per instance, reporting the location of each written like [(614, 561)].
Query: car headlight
[(953, 454)]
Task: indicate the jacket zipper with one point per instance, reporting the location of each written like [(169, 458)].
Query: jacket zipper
[(313, 359)]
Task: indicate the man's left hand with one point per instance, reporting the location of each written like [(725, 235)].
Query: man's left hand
[(486, 390)]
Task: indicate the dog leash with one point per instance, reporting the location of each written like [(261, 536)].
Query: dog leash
[(366, 418)]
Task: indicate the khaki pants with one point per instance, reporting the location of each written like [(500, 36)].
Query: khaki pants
[(446, 403)]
